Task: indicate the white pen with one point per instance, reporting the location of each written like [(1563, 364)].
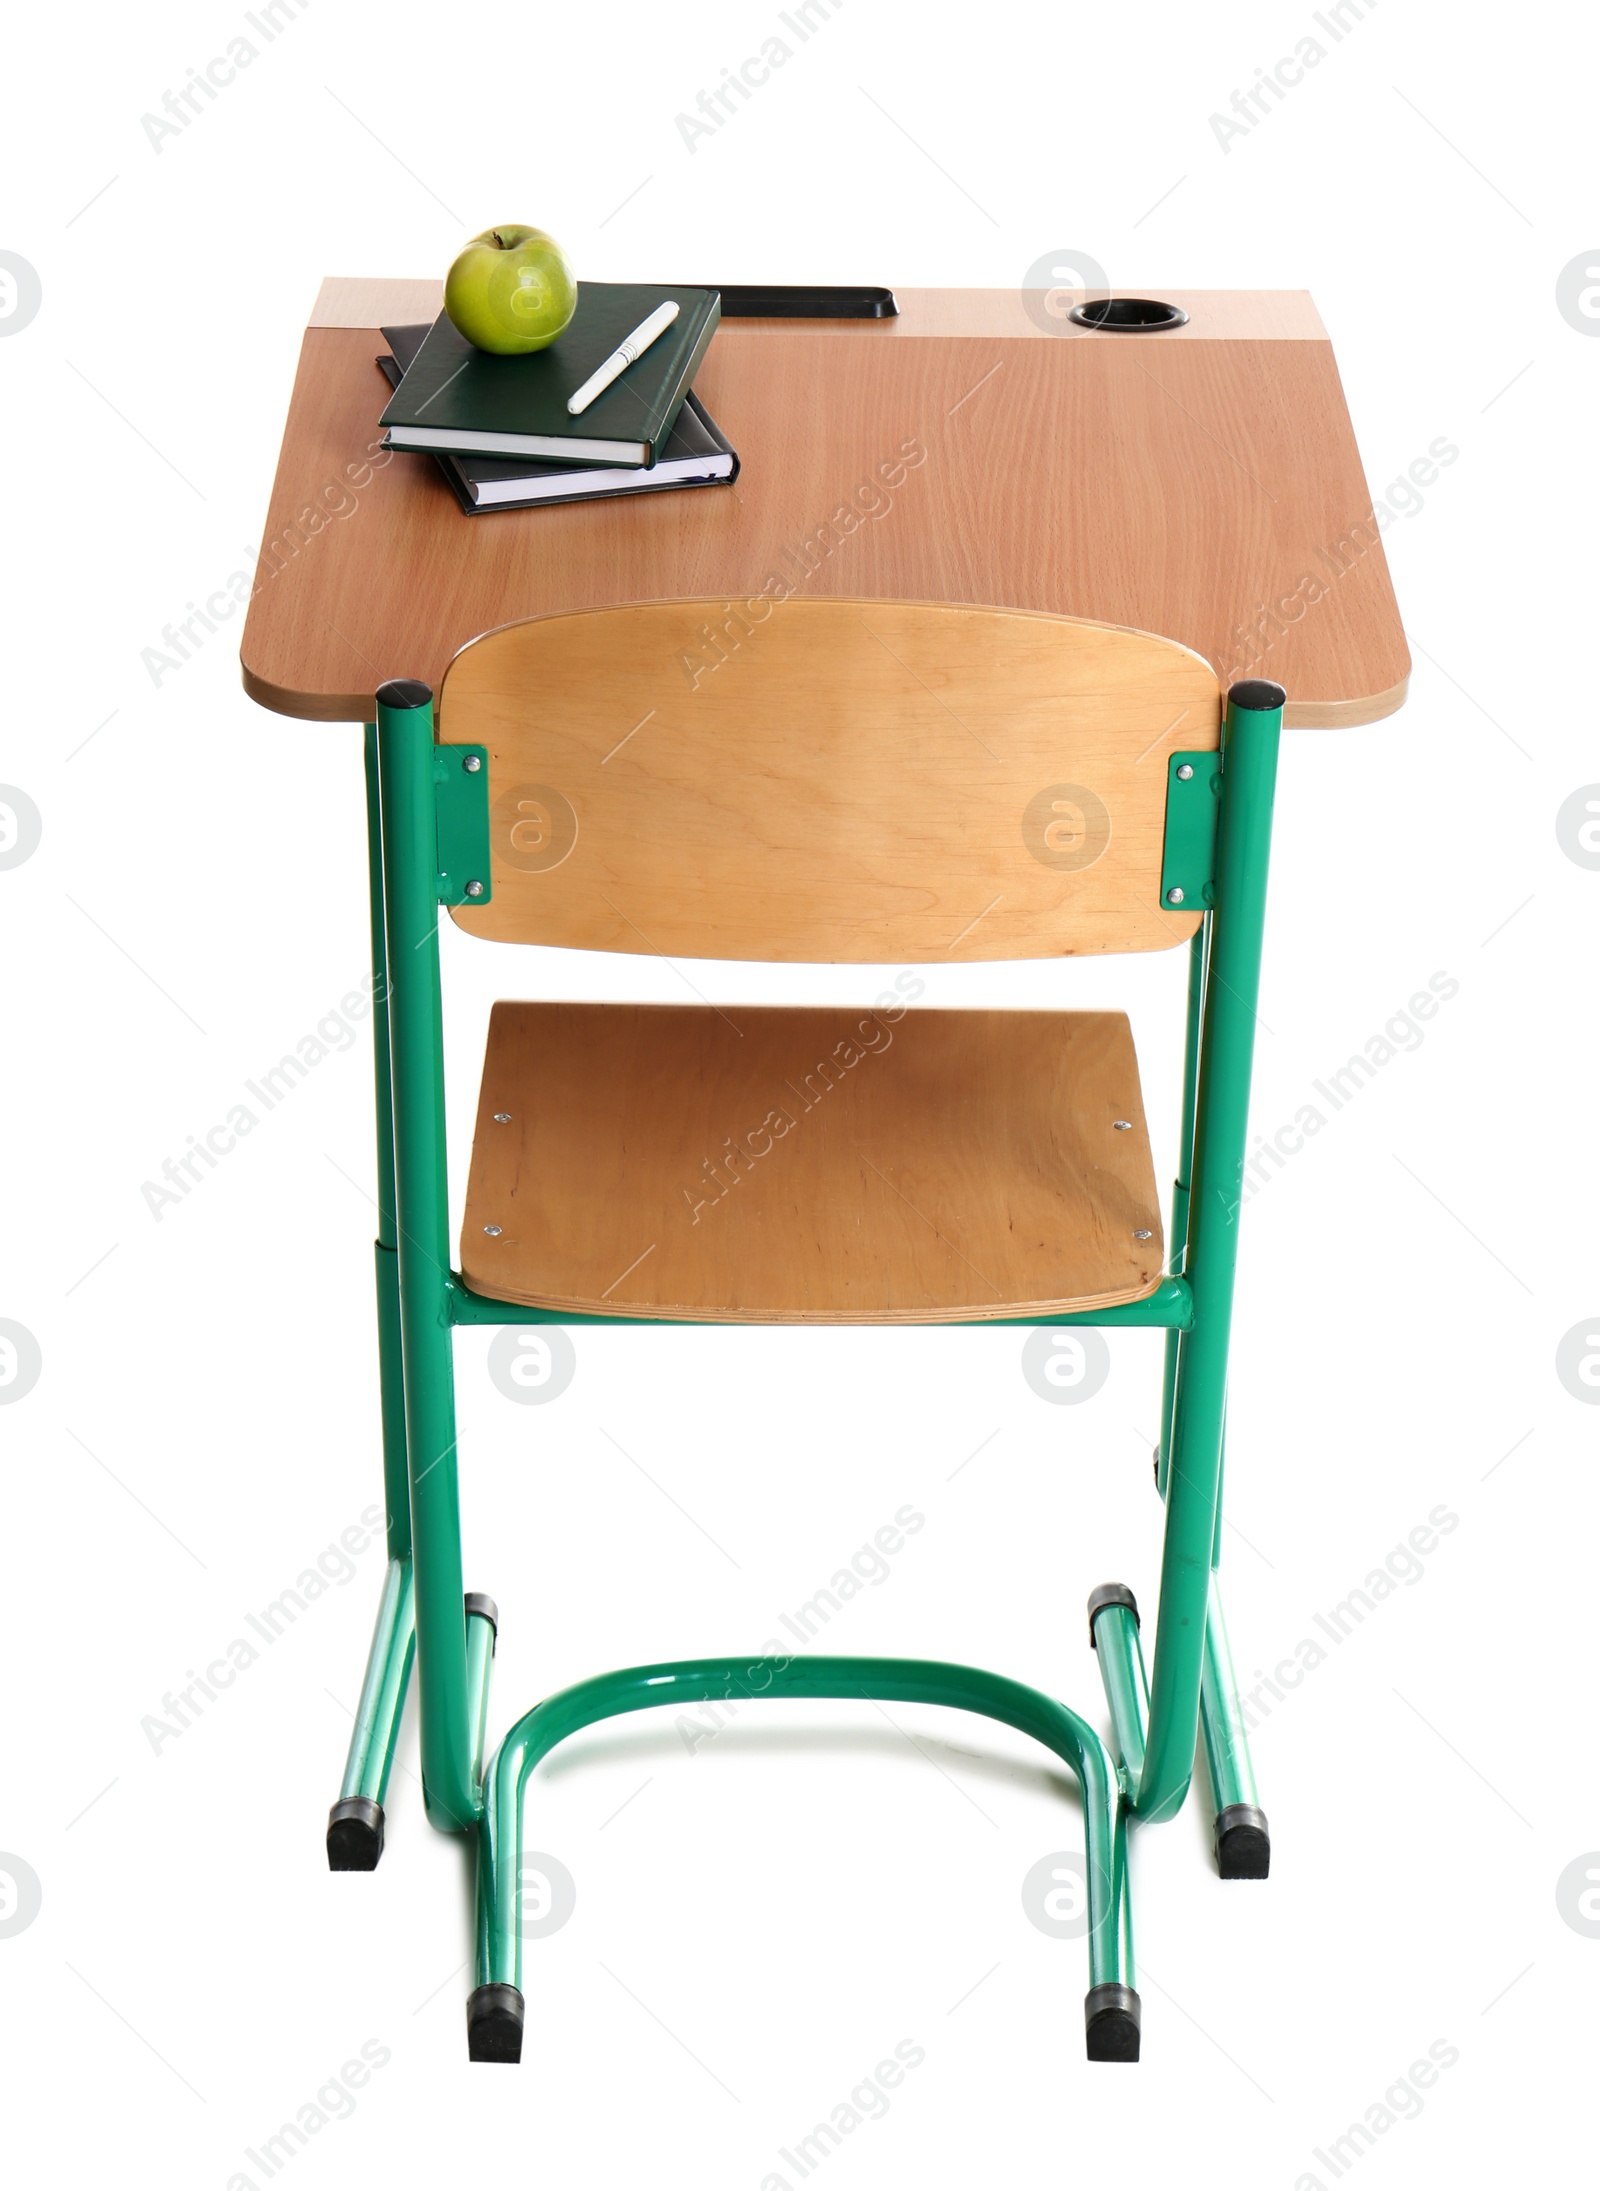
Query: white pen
[(620, 359)]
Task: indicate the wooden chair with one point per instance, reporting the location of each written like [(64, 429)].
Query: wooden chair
[(857, 782)]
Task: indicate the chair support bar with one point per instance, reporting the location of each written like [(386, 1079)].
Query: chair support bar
[(1117, 1647), (495, 2012), (422, 1242), (396, 1485), (1221, 1127), (1169, 1308), (482, 1635)]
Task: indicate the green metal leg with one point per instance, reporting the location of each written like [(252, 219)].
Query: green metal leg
[(1115, 1630), (383, 1692), (483, 1625), (1240, 1837), (1222, 1106), (495, 2012), (391, 1375), (1178, 1235), (355, 1823), (422, 1223)]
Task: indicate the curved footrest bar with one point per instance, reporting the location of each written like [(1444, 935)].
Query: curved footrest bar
[(884, 1680)]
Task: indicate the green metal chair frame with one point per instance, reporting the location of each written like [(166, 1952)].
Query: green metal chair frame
[(425, 1618)]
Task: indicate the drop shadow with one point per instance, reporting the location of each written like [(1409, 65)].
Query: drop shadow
[(663, 1745)]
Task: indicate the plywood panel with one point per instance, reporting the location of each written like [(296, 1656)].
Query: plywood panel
[(828, 780), (790, 1166)]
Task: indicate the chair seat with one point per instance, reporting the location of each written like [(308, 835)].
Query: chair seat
[(764, 1165)]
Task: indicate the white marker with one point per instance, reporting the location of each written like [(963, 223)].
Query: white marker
[(619, 361)]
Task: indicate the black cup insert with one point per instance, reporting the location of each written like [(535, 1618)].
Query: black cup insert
[(1128, 315)]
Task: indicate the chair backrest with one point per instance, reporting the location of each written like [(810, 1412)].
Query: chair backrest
[(856, 781)]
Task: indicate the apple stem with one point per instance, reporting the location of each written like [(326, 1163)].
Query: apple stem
[(499, 240)]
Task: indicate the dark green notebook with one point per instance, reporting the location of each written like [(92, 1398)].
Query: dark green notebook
[(455, 398)]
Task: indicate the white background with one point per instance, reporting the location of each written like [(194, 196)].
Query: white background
[(769, 1916)]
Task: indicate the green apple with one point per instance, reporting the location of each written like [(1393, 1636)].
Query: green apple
[(511, 290)]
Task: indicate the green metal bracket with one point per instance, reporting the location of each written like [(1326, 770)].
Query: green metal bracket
[(461, 809), (1189, 849)]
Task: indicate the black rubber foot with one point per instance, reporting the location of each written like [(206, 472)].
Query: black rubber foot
[(480, 1602), (1111, 2023), (1110, 1593), (1243, 1845), (494, 2024), (355, 1834)]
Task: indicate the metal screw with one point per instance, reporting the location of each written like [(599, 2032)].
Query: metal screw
[(1122, 1125), (1174, 895), (1185, 771), (502, 1118), (1137, 1235), (472, 762), (494, 1232), (475, 890)]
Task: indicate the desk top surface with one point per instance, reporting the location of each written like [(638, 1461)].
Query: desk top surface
[(1202, 482)]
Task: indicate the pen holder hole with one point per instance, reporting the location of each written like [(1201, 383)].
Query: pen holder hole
[(1128, 315)]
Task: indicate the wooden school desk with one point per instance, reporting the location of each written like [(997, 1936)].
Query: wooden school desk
[(1199, 482)]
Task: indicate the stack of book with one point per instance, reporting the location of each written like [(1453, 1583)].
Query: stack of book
[(500, 429)]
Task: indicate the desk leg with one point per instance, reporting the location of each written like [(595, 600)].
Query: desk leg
[(445, 1706), (1241, 1841), (397, 1493), (355, 1824)]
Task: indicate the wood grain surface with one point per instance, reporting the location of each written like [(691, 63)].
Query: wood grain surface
[(752, 1164), (828, 780), (1202, 483)]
